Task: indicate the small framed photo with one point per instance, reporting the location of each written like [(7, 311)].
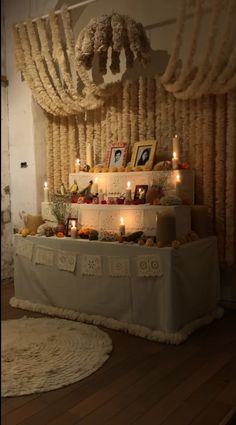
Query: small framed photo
[(140, 193), (143, 153), (71, 222), (116, 155)]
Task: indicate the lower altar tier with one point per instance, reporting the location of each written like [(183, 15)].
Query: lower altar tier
[(164, 303), (137, 217)]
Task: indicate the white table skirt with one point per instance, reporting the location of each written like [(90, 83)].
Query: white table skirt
[(188, 289)]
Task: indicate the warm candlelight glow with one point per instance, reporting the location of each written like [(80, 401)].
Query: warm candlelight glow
[(128, 185), (77, 161), (96, 180), (178, 178), (122, 220), (73, 224), (45, 184), (174, 155)]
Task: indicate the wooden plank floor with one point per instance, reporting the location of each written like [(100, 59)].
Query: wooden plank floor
[(142, 382)]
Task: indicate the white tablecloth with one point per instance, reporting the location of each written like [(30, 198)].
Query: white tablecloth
[(188, 288)]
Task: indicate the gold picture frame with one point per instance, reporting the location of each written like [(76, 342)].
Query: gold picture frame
[(113, 149), (143, 153)]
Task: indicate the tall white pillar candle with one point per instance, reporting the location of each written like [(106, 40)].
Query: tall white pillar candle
[(122, 226), (73, 230), (175, 161), (89, 160), (46, 192), (176, 146), (128, 192), (178, 185), (95, 186), (77, 165)]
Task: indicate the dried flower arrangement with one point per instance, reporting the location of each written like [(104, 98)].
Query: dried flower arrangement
[(60, 207)]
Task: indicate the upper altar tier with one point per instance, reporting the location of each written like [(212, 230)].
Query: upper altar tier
[(115, 184)]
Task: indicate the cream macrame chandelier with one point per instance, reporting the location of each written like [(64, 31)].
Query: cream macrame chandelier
[(54, 68)]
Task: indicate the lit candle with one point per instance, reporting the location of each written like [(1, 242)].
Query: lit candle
[(95, 186), (46, 192), (73, 230), (128, 192), (122, 226), (77, 165), (89, 160), (177, 185), (175, 161), (176, 146)]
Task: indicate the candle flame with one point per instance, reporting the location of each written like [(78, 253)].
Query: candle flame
[(77, 161), (73, 224), (128, 185), (122, 220), (176, 135), (96, 180), (45, 184), (174, 155), (178, 177)]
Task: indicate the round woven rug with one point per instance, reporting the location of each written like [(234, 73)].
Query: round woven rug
[(44, 354)]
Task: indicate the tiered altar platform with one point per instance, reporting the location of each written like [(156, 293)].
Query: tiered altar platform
[(161, 294)]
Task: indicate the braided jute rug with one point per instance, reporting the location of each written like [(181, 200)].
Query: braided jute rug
[(42, 354)]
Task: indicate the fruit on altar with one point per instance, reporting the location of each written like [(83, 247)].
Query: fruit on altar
[(141, 241), (160, 244), (107, 236), (163, 166), (129, 168), (138, 168), (149, 242), (84, 232), (93, 235), (97, 169), (24, 232), (105, 169), (91, 170), (113, 169), (74, 187), (121, 169), (60, 235), (183, 166), (175, 244), (147, 167)]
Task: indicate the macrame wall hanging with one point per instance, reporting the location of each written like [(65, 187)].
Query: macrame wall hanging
[(198, 102)]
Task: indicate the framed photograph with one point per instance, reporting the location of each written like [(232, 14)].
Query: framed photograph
[(140, 193), (143, 153), (71, 222), (116, 155)]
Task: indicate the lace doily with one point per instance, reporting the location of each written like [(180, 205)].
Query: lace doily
[(91, 265), (66, 261), (44, 256), (24, 248), (149, 265), (118, 266)]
